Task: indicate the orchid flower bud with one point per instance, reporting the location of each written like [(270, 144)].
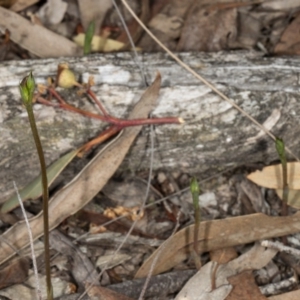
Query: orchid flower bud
[(27, 87)]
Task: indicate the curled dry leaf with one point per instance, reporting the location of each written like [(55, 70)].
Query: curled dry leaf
[(16, 272), (218, 234), (271, 176), (200, 285), (244, 287), (35, 38)]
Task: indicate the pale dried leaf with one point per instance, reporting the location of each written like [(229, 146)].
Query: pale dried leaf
[(200, 285), (86, 184), (27, 291), (218, 234), (280, 5), (52, 12), (271, 176), (109, 261), (268, 124), (293, 197), (93, 10), (35, 38)]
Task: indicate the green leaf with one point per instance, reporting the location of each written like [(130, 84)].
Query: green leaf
[(280, 148), (88, 38), (34, 189)]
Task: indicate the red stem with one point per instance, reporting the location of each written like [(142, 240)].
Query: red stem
[(106, 134), (95, 99), (120, 123)]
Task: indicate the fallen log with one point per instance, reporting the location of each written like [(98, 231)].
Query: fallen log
[(214, 136)]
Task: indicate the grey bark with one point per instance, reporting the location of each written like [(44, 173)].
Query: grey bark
[(214, 137)]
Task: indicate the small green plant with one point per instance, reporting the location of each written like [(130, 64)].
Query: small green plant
[(195, 190), (87, 48), (280, 147), (27, 87)]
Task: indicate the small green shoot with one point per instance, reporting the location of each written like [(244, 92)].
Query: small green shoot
[(87, 48), (280, 147), (195, 190), (27, 87)]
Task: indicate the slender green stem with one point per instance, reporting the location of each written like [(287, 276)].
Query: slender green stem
[(195, 190), (27, 87), (45, 198), (280, 147), (87, 48), (281, 152)]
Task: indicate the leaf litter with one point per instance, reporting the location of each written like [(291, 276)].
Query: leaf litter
[(178, 34)]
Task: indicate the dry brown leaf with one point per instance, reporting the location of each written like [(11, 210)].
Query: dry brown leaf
[(289, 43), (211, 282), (7, 3), (16, 272), (218, 234), (271, 176), (208, 29), (244, 287), (222, 256), (166, 25), (27, 291), (22, 4), (97, 219), (83, 270), (294, 295), (102, 293), (35, 38), (249, 32), (199, 287), (86, 184)]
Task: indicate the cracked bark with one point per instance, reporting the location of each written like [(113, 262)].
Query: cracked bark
[(214, 137)]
